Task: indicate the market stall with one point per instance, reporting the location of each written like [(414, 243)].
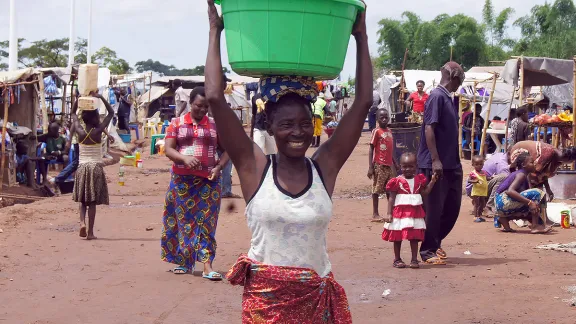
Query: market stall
[(19, 93)]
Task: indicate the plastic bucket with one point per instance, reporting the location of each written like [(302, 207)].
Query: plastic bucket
[(406, 138), (288, 37), (126, 138)]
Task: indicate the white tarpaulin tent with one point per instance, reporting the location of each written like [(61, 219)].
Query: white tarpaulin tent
[(151, 95)]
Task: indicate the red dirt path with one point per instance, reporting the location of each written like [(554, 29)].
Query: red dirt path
[(48, 275)]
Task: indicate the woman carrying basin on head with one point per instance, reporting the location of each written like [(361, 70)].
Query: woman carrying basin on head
[(289, 195)]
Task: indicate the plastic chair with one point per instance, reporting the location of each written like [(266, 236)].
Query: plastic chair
[(165, 126), (155, 138), (149, 131), (136, 129), (466, 144)]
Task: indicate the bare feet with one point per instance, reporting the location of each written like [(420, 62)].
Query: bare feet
[(91, 237), (83, 231)]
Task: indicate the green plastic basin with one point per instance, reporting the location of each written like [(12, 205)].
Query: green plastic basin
[(288, 37)]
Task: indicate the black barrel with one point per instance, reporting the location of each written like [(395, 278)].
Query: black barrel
[(406, 138)]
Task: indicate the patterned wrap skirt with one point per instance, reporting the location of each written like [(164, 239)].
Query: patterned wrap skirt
[(189, 222), (506, 205), (90, 185), (274, 294)]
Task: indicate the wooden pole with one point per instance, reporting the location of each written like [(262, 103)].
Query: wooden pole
[(3, 143), (460, 106), (63, 103), (402, 83), (451, 51), (508, 121), (488, 114), (43, 104), (574, 104), (473, 121), (521, 74)]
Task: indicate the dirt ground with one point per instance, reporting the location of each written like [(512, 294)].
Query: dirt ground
[(48, 275)]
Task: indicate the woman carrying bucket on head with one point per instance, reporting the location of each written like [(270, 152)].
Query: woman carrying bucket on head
[(290, 283)]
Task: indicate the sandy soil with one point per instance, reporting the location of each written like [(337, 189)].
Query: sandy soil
[(48, 275)]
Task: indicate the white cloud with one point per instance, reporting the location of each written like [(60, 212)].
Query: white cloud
[(175, 31)]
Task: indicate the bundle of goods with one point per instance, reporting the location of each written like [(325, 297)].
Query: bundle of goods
[(278, 38), (560, 120)]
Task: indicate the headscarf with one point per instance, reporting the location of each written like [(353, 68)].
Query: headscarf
[(273, 88), (516, 153)]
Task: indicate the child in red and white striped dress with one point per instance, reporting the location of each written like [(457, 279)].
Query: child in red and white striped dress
[(406, 217)]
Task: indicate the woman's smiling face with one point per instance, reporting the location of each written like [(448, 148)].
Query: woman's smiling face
[(292, 127)]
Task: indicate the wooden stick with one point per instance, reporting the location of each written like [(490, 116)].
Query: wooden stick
[(508, 121), (3, 143), (473, 121), (574, 107), (23, 197), (17, 83), (402, 83), (43, 104), (521, 73), (63, 103), (460, 106), (488, 114)]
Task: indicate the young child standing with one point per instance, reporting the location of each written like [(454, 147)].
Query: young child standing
[(381, 166), (90, 187), (406, 217), (479, 180)]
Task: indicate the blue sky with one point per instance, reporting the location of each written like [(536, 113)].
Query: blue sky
[(175, 31)]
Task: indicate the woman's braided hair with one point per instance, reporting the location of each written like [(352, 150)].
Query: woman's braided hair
[(521, 159)]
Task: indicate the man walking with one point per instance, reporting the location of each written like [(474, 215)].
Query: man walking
[(438, 154), (376, 100)]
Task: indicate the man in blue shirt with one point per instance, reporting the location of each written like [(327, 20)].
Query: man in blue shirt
[(439, 154)]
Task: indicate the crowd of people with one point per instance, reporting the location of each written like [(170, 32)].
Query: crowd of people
[(291, 280)]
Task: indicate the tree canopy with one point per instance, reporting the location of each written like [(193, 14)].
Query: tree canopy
[(54, 53), (549, 31)]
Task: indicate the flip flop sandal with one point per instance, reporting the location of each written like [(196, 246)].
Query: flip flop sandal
[(479, 220), (441, 254), (377, 220), (435, 261), (180, 270), (414, 265), (508, 231), (213, 276), (546, 231), (399, 264)]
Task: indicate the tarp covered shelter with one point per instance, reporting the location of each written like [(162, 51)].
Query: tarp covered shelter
[(538, 71)]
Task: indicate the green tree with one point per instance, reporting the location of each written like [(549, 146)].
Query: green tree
[(429, 42), (549, 31), (170, 70), (45, 53)]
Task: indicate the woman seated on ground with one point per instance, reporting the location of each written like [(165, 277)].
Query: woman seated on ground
[(547, 159), (516, 200)]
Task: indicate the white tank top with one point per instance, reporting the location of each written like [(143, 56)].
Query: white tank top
[(290, 230)]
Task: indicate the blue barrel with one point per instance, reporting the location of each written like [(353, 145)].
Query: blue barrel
[(406, 138)]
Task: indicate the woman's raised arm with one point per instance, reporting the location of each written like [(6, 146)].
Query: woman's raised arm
[(332, 155), (249, 160)]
